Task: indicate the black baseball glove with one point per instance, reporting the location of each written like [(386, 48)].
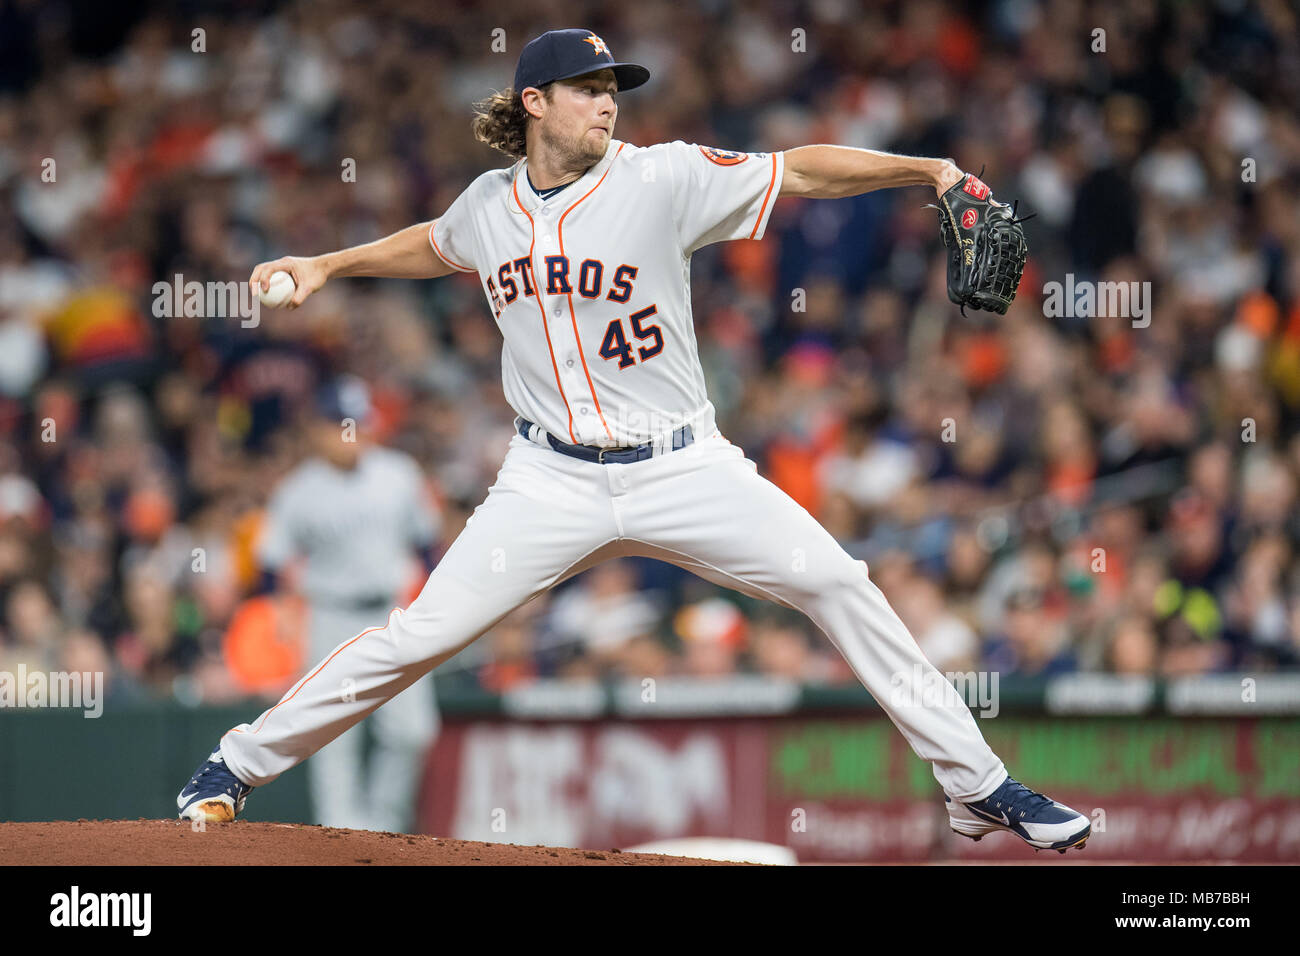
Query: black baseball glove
[(986, 246)]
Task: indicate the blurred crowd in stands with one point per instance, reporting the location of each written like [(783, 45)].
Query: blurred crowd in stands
[(1034, 493)]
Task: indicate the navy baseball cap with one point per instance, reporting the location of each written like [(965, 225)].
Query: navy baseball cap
[(563, 54)]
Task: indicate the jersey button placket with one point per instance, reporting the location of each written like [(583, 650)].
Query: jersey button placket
[(575, 383), (557, 306), (572, 373)]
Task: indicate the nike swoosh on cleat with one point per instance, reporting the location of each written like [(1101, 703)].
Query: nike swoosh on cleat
[(1001, 818)]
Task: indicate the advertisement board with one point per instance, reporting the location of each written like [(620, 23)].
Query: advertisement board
[(849, 789)]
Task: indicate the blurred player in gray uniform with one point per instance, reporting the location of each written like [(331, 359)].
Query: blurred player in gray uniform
[(358, 515)]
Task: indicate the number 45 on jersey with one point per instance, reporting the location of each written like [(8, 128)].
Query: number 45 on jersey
[(615, 343)]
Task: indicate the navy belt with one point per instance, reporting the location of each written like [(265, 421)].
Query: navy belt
[(605, 456)]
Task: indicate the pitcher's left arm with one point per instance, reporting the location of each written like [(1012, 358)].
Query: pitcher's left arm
[(832, 172)]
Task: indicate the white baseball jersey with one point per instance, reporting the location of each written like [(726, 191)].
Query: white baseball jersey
[(593, 304)]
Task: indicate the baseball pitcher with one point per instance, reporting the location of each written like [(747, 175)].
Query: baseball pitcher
[(583, 248)]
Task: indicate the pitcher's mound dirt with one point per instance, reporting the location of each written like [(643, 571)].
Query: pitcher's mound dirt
[(175, 843)]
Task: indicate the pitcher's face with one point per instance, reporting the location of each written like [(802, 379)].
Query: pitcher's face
[(578, 119)]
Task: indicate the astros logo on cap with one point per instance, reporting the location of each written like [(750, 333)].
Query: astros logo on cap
[(598, 44)]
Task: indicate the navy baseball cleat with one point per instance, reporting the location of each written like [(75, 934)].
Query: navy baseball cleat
[(214, 794), (1038, 820)]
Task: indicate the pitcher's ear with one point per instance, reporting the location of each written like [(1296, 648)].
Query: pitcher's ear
[(530, 95)]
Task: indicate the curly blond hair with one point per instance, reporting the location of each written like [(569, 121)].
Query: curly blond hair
[(502, 122)]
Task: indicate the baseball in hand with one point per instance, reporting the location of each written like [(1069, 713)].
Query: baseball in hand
[(279, 290)]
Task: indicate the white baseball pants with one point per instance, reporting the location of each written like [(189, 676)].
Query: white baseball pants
[(347, 790), (548, 517)]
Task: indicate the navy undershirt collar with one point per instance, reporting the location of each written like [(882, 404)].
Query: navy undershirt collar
[(545, 194)]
